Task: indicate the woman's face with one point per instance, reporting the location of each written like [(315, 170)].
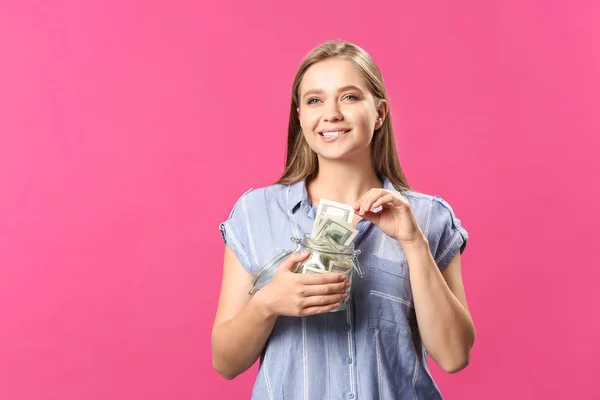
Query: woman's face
[(337, 112)]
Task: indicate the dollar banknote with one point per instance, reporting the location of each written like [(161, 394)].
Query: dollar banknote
[(341, 232), (329, 208), (308, 269), (333, 231), (335, 266)]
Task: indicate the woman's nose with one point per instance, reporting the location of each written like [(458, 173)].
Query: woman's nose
[(333, 112)]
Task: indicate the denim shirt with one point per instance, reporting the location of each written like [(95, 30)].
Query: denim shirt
[(371, 350)]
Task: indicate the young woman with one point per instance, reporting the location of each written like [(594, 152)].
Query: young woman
[(410, 303)]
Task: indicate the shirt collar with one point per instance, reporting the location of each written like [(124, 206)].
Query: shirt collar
[(387, 184), (298, 195)]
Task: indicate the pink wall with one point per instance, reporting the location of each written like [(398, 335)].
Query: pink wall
[(128, 129)]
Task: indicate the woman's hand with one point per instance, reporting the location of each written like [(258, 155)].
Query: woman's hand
[(298, 295), (395, 219)]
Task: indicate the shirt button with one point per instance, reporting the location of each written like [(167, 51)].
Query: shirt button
[(349, 360), (350, 395), (361, 230), (347, 327)]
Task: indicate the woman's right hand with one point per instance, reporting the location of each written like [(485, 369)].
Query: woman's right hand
[(293, 294)]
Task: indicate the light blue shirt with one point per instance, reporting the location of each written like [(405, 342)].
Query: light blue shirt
[(371, 350)]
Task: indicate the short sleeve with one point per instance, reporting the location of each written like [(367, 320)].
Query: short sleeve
[(235, 232), (446, 234)]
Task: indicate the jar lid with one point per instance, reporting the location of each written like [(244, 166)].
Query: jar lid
[(265, 273)]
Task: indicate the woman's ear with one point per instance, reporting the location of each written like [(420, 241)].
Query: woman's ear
[(382, 111)]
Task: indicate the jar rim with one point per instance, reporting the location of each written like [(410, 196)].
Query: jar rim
[(308, 242), (258, 280)]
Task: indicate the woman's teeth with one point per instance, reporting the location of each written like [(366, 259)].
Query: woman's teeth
[(332, 134)]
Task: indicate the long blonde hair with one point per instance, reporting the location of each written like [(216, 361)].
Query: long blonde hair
[(301, 161)]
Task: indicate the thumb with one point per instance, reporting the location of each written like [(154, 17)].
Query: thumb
[(292, 259), (372, 217)]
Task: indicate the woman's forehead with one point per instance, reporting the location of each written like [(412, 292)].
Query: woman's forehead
[(332, 75)]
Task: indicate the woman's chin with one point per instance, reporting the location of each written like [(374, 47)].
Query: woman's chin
[(340, 155)]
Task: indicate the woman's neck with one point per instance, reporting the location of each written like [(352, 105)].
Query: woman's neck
[(342, 181)]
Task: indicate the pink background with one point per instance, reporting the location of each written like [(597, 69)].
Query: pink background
[(128, 130)]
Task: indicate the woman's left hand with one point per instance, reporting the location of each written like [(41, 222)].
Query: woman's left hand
[(395, 219)]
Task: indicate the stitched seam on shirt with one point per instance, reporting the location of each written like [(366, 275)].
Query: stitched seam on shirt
[(266, 374), (249, 231), (287, 202), (454, 239), (414, 381), (428, 223), (431, 377), (350, 352), (394, 298), (327, 384), (269, 221), (429, 373), (239, 247), (285, 357), (377, 352), (381, 243), (304, 358), (426, 368), (375, 319)]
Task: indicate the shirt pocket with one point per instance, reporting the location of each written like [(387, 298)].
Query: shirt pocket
[(391, 320), (390, 305)]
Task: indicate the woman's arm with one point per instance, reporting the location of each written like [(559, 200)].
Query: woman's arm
[(444, 321), (445, 324), (244, 323), (241, 327)]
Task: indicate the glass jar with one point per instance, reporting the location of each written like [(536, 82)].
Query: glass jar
[(324, 258)]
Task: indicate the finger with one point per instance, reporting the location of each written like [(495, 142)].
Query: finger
[(292, 260), (321, 279), (362, 199), (368, 203), (384, 200), (372, 217), (360, 202), (320, 290), (318, 309), (325, 300), (394, 199)]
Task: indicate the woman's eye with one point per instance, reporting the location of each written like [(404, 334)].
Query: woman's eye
[(312, 101), (351, 97)]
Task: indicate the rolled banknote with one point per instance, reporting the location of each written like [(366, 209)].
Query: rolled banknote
[(309, 269), (331, 208), (336, 266), (340, 231)]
